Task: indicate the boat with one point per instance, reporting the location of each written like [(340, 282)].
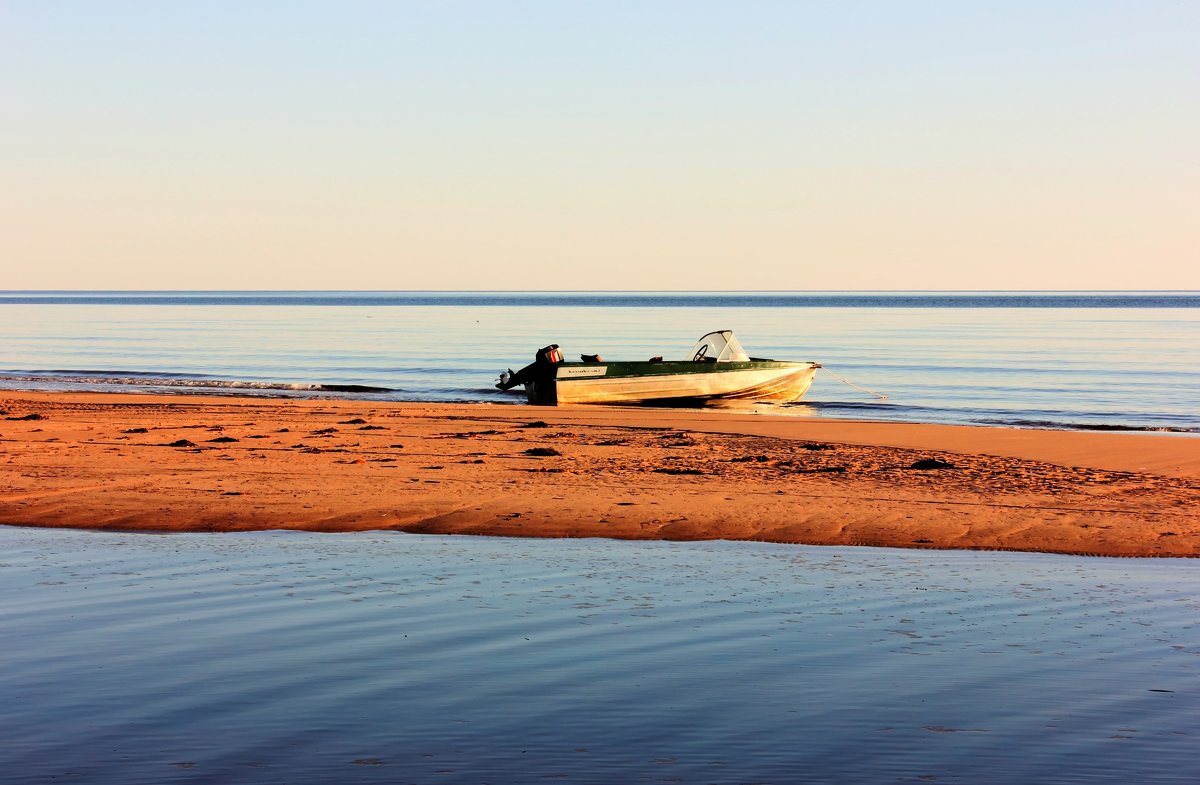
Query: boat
[(716, 368)]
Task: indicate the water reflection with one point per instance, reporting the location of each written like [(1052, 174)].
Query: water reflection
[(292, 657)]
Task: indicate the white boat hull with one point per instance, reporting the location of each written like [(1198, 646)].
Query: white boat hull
[(753, 384)]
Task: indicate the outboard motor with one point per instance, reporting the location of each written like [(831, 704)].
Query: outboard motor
[(548, 355), (538, 377)]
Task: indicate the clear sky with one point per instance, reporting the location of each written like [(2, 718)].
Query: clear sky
[(1047, 144)]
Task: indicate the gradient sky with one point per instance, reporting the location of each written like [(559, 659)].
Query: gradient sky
[(600, 145)]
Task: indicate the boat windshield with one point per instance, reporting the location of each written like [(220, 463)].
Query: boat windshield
[(720, 346)]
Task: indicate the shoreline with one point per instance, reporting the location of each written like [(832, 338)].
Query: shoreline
[(107, 461)]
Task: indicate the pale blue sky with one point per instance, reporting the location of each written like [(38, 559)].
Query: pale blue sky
[(606, 145)]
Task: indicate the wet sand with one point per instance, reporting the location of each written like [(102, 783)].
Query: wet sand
[(190, 463)]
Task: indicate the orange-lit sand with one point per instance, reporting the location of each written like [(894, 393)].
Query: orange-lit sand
[(588, 472)]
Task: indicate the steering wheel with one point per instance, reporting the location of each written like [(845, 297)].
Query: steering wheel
[(700, 354)]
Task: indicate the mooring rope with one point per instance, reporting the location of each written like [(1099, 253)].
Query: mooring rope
[(880, 396)]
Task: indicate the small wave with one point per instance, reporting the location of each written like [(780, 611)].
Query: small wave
[(358, 388), (1064, 420), (1092, 426), (860, 406), (140, 379)]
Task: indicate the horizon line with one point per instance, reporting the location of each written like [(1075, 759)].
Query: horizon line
[(601, 291)]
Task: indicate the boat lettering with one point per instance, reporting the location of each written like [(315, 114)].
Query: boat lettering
[(579, 373)]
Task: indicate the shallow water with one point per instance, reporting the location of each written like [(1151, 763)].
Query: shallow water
[(382, 657), (1075, 360)]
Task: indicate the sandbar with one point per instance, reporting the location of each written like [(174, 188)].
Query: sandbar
[(212, 464)]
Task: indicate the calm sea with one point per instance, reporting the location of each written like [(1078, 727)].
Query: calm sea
[(1066, 360), (289, 657)]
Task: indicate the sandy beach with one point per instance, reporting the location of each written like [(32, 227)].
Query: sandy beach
[(192, 463)]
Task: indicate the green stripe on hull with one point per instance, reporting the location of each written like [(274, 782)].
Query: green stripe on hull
[(645, 368)]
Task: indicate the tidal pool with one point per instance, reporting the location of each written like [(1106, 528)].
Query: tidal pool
[(389, 658)]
